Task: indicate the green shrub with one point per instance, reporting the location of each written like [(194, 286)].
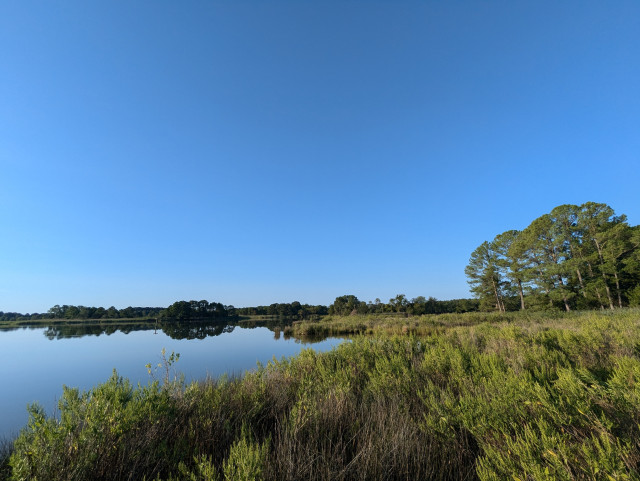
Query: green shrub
[(247, 458)]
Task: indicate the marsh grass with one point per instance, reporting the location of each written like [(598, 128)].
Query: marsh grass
[(426, 325), (6, 448), (469, 397)]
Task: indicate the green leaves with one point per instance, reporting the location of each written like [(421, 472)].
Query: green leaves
[(576, 257), (484, 276)]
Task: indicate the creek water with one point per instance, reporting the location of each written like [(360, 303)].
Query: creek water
[(35, 362)]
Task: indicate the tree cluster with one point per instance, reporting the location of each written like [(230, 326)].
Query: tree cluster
[(186, 310), (291, 310), (575, 257)]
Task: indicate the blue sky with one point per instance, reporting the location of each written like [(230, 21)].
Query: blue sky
[(258, 152)]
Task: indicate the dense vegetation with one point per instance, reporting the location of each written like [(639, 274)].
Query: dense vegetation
[(178, 310), (183, 310), (84, 312), (350, 304), (575, 257), (474, 396), (292, 310)]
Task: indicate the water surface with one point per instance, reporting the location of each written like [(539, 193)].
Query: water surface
[(35, 362)]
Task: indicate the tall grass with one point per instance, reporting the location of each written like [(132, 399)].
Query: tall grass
[(6, 448), (433, 323), (517, 398)]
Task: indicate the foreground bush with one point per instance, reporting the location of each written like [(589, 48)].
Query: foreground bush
[(512, 400)]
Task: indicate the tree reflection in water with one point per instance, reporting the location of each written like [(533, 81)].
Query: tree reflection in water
[(174, 329)]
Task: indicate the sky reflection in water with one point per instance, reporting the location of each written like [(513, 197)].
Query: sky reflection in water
[(36, 362)]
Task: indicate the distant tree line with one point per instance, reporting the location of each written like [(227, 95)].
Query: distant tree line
[(194, 310), (178, 310), (205, 310), (17, 316), (575, 257), (290, 310), (351, 305), (84, 312)]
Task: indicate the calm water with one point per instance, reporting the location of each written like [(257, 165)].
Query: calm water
[(36, 362)]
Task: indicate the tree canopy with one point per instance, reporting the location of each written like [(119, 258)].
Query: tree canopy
[(575, 257)]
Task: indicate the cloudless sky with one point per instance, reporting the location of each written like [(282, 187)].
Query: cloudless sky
[(257, 152)]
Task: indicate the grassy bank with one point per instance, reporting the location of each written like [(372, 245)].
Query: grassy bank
[(461, 397), (430, 324)]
